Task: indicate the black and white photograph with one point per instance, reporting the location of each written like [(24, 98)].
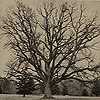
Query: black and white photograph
[(49, 49)]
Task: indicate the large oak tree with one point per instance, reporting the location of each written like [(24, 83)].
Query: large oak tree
[(50, 42)]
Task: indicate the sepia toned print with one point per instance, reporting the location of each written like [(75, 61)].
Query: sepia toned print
[(49, 49)]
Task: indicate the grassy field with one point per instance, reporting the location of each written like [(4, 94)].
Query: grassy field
[(33, 97)]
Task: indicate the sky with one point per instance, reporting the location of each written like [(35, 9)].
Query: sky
[(93, 6)]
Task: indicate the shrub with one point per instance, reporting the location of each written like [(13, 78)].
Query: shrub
[(85, 92), (96, 88), (64, 91)]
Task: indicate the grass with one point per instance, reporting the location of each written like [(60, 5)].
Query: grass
[(38, 97)]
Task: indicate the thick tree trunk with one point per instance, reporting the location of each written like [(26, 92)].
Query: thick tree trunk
[(47, 91)]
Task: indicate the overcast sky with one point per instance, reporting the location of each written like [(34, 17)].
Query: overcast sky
[(92, 7)]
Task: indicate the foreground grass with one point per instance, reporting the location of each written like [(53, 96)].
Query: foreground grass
[(36, 97)]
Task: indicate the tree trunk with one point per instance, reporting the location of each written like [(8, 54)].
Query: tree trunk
[(47, 91)]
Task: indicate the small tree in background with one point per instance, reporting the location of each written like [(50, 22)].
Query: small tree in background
[(25, 84), (96, 88), (85, 92), (0, 89)]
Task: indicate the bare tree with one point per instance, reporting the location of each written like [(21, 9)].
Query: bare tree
[(50, 44)]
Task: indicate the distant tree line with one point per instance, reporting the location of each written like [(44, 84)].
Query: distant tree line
[(0, 89), (26, 85), (96, 87)]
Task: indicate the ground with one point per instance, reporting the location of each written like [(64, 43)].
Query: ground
[(37, 97)]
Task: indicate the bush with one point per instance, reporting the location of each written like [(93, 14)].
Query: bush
[(55, 90), (96, 88), (64, 91), (84, 92)]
